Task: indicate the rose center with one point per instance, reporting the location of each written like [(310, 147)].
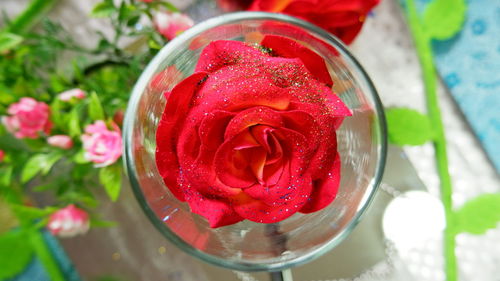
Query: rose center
[(260, 156)]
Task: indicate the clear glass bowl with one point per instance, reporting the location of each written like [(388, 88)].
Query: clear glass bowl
[(247, 245)]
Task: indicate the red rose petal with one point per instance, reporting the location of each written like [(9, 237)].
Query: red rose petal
[(287, 72), (325, 189), (271, 169), (322, 160), (258, 211), (304, 123), (269, 5), (166, 135), (232, 164), (223, 53), (217, 211), (257, 163), (285, 47), (291, 180), (274, 150), (212, 129), (262, 133), (201, 174), (236, 88), (188, 145), (250, 117)]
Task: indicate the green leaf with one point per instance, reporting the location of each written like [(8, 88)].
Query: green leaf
[(126, 11), (57, 83), (30, 213), (85, 198), (6, 175), (45, 256), (39, 163), (51, 159), (74, 123), (35, 10), (6, 96), (110, 178), (103, 9), (154, 45), (408, 127), (9, 40), (133, 20), (79, 157), (442, 19), (479, 214), (33, 166), (15, 253), (55, 113), (44, 187), (102, 223), (169, 6), (96, 111)]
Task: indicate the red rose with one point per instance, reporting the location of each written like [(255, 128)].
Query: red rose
[(252, 133), (343, 18), (234, 5)]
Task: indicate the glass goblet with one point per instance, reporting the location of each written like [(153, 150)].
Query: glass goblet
[(247, 245)]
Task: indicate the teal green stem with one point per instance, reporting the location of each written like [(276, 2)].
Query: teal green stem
[(30, 16), (45, 256), (424, 51)]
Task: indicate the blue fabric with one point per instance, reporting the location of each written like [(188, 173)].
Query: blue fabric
[(35, 270), (469, 64)]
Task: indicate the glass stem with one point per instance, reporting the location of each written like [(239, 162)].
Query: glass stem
[(284, 275)]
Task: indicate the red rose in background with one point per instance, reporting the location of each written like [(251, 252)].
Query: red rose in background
[(252, 134), (343, 18), (234, 5)]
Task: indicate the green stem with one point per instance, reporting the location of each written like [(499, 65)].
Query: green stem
[(29, 17), (45, 256), (424, 51)]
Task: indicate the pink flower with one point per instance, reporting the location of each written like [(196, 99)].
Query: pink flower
[(172, 24), (2, 155), (61, 141), (68, 222), (28, 118), (102, 146), (73, 93), (146, 1)]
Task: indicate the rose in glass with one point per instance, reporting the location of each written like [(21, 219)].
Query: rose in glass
[(252, 133)]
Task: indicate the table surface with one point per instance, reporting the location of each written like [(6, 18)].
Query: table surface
[(136, 251)]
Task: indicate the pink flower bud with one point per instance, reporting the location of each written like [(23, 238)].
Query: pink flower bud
[(27, 118), (2, 155), (102, 146), (73, 93), (171, 24), (68, 222), (61, 141)]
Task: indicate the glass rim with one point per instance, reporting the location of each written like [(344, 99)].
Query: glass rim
[(131, 112)]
